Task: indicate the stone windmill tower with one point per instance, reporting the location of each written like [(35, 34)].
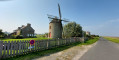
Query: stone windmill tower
[(55, 26)]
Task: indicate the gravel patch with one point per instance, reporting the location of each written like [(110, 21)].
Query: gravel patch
[(73, 53)]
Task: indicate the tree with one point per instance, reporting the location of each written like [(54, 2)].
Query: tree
[(72, 29), (0, 31), (84, 33), (1, 34)]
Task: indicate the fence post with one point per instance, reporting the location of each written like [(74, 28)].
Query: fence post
[(1, 47), (4, 49), (38, 45), (27, 45), (8, 48), (13, 50), (35, 45), (45, 44), (48, 44), (17, 47), (20, 47)]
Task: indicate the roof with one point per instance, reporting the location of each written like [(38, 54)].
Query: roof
[(55, 21), (20, 28)]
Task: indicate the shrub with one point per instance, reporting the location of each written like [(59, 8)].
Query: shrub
[(19, 37)]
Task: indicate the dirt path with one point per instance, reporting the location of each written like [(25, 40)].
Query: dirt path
[(73, 53)]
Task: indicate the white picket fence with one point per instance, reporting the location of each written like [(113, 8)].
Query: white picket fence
[(14, 48)]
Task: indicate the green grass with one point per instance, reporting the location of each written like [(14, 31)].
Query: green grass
[(39, 38), (50, 51), (113, 39)]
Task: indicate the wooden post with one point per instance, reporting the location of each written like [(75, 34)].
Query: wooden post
[(8, 48), (30, 47), (20, 47), (48, 44), (1, 48), (4, 49), (25, 46), (11, 48), (14, 45), (36, 45), (17, 47)]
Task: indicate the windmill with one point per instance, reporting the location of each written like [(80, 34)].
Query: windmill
[(55, 26)]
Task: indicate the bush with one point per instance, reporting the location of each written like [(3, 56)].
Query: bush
[(19, 37), (13, 37), (72, 29)]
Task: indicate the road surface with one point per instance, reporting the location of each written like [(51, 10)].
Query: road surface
[(103, 50)]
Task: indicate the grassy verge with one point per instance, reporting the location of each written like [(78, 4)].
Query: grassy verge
[(113, 39), (91, 41), (47, 52)]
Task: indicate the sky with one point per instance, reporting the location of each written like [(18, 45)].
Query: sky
[(100, 17)]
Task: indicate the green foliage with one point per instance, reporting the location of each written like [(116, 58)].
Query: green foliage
[(90, 41), (43, 35), (72, 29), (2, 35), (95, 35), (19, 37)]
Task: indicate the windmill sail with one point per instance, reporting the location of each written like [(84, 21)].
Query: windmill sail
[(59, 11)]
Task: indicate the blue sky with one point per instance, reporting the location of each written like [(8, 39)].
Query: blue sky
[(97, 16)]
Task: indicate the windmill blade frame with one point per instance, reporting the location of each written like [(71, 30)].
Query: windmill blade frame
[(59, 11), (65, 20)]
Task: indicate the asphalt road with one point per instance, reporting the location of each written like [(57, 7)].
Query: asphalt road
[(103, 50)]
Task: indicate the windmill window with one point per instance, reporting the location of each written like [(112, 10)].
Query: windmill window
[(50, 27)]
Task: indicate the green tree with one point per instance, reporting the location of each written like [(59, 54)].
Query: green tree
[(84, 33), (72, 29), (1, 34)]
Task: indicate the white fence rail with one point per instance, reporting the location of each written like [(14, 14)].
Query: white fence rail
[(14, 48)]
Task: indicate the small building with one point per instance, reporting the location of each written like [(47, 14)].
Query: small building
[(55, 29), (25, 31), (87, 33)]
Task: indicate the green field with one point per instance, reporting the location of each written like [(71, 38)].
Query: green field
[(30, 56), (113, 39), (38, 38)]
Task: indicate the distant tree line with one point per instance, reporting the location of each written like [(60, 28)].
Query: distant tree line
[(2, 35)]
